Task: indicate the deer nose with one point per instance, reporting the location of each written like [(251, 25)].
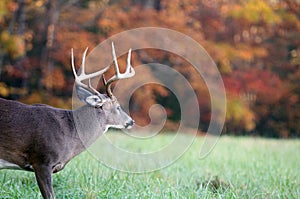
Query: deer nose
[(129, 124), (132, 122)]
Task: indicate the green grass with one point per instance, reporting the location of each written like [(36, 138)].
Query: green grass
[(237, 168)]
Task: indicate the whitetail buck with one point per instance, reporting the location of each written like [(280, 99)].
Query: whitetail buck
[(43, 139)]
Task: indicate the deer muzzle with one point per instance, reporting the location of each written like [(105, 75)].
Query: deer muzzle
[(129, 124)]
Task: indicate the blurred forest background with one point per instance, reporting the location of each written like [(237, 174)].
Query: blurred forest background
[(255, 44)]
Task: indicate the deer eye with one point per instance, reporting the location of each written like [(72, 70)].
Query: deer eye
[(118, 108), (99, 106)]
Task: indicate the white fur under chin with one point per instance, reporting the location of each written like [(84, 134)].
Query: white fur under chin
[(113, 126)]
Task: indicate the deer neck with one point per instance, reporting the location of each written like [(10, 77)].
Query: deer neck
[(87, 124)]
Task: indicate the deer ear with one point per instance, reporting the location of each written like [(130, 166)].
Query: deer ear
[(82, 93), (89, 98), (94, 100)]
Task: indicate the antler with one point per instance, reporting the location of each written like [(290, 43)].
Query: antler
[(83, 76), (129, 72)]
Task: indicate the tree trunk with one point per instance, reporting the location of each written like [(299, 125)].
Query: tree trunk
[(52, 14)]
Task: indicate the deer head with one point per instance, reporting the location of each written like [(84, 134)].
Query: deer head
[(106, 105)]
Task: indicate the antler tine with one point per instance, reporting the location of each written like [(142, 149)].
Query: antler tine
[(77, 81), (129, 72), (129, 68), (83, 62), (115, 58), (83, 76)]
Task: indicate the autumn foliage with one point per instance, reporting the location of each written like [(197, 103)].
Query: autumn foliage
[(255, 44)]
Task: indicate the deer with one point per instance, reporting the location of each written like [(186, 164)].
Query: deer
[(43, 139)]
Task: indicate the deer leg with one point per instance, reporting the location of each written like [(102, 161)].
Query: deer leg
[(43, 176)]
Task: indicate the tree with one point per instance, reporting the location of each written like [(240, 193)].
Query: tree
[(255, 44)]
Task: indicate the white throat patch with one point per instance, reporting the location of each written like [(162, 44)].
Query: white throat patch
[(113, 126)]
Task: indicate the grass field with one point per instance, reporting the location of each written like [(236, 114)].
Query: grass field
[(237, 168)]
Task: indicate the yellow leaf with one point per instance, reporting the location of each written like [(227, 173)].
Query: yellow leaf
[(4, 91)]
